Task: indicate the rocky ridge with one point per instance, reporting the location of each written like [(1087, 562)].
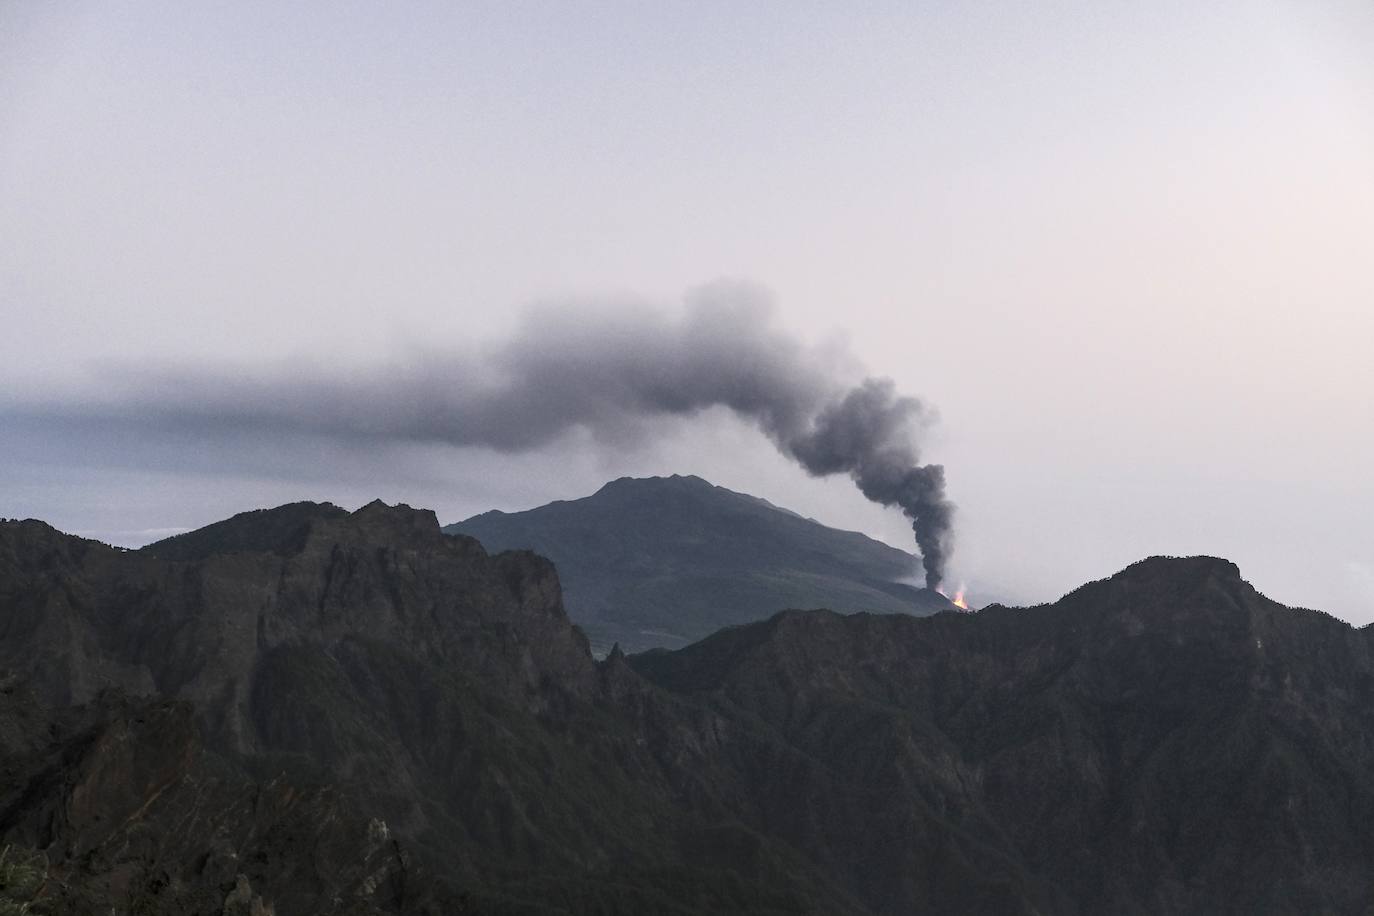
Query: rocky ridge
[(308, 710)]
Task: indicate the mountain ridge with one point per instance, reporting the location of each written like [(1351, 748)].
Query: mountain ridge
[(1178, 691), (419, 720)]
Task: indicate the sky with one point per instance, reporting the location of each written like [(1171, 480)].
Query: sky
[(1123, 253)]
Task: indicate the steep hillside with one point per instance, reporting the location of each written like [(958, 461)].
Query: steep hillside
[(664, 561), (314, 711), (400, 717), (118, 806), (1163, 741)]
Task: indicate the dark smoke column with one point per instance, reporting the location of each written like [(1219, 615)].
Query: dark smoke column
[(869, 434), (613, 373)]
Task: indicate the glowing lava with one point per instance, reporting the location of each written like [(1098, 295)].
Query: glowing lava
[(958, 599)]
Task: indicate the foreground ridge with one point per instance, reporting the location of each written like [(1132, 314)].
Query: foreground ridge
[(320, 711)]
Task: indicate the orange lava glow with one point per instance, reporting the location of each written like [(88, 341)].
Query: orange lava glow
[(959, 601)]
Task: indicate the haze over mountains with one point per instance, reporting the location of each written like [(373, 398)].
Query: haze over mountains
[(309, 710), (664, 561)]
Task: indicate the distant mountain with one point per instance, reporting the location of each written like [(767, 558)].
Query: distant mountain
[(664, 561), (315, 712)]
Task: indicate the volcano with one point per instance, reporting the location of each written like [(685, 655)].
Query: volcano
[(660, 562)]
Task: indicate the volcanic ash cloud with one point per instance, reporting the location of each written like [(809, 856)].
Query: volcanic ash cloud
[(611, 371)]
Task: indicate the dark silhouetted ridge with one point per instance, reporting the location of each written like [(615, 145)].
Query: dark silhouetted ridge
[(276, 530), (366, 716)]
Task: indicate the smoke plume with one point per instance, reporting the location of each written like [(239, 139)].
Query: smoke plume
[(611, 372)]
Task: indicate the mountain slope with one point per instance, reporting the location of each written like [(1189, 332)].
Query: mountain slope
[(353, 713), (1163, 741), (409, 725), (664, 561)]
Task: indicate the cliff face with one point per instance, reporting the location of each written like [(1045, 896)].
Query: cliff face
[(209, 624), (307, 710), (312, 656), (125, 809), (299, 677)]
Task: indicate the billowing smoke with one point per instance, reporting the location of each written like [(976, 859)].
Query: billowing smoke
[(611, 372), (868, 435)]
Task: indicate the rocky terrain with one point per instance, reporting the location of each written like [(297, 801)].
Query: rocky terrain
[(305, 710), (661, 562), (326, 683)]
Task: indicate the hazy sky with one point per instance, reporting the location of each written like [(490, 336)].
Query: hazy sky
[(1126, 250)]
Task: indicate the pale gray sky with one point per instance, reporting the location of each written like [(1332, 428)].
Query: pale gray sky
[(1126, 249)]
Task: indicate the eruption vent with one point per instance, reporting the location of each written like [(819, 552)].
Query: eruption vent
[(611, 372)]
